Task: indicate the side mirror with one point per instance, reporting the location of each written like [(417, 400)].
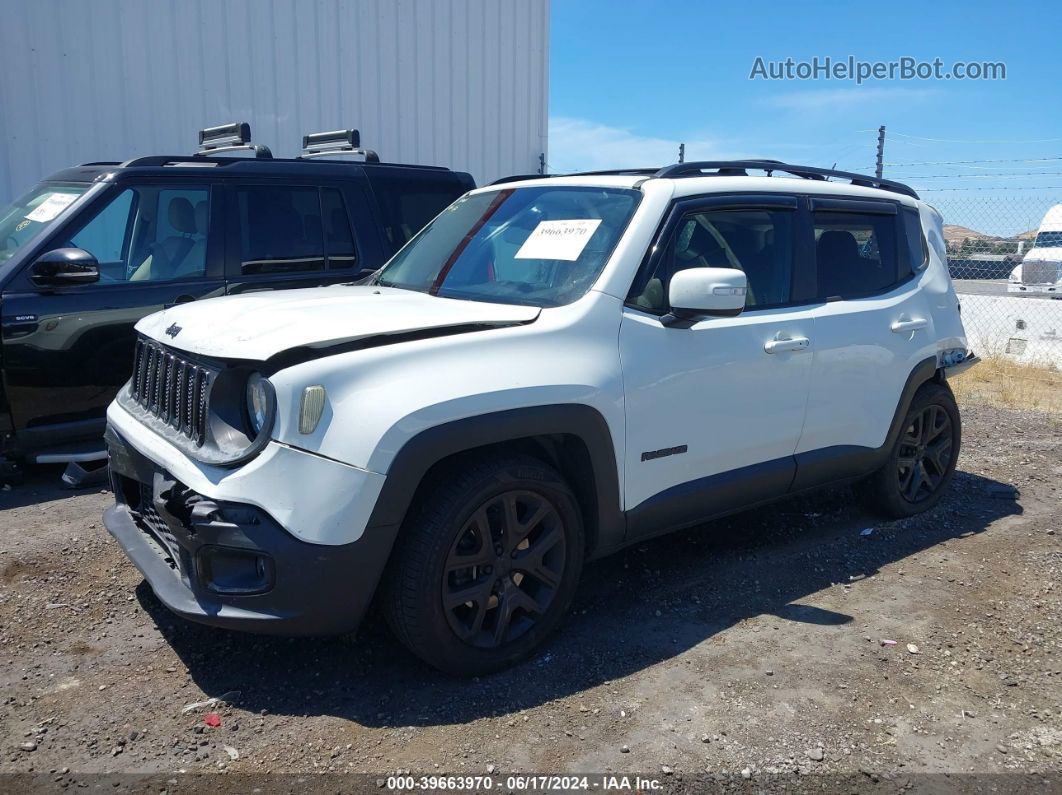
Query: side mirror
[(65, 266), (697, 293)]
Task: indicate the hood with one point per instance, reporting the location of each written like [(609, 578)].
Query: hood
[(260, 325), (1044, 254)]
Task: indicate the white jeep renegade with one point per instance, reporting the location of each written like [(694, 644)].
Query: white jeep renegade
[(552, 369)]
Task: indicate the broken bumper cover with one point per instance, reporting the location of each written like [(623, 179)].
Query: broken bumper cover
[(952, 370), (232, 565)]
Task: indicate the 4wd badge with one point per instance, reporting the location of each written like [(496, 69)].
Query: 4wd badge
[(173, 330)]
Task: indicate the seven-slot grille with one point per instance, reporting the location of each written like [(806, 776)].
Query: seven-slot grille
[(1039, 272), (172, 388)]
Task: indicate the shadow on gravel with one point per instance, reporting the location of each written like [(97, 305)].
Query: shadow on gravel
[(633, 610), (41, 483)]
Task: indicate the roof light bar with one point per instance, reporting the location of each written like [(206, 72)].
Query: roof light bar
[(230, 138)]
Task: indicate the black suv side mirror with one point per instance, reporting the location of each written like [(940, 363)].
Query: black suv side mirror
[(65, 266)]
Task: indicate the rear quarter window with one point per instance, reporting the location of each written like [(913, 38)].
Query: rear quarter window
[(408, 201), (917, 248)]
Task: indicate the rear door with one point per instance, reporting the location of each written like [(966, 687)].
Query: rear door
[(67, 350), (873, 325), (284, 235)]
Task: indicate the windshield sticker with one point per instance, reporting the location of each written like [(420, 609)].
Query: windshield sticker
[(51, 207), (564, 240)]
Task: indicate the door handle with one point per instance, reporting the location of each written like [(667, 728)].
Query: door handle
[(181, 299), (903, 326), (790, 344)]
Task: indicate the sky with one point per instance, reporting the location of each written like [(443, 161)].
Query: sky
[(630, 79)]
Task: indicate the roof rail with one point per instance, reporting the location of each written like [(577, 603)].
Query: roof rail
[(230, 138), (336, 142), (740, 168), (734, 168), (602, 173)]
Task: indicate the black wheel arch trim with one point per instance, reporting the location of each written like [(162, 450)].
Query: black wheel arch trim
[(432, 445)]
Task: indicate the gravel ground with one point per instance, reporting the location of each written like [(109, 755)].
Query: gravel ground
[(750, 646)]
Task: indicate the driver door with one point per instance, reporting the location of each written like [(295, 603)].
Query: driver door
[(68, 350), (714, 410)]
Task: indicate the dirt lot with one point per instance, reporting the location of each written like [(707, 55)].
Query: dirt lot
[(752, 645)]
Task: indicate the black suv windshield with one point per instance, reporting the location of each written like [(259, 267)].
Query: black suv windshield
[(1048, 240), (24, 218), (540, 246)]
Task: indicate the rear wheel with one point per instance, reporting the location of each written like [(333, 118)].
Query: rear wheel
[(486, 565), (922, 460)]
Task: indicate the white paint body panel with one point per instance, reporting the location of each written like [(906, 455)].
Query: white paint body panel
[(860, 366), (713, 387), (456, 83), (257, 325)]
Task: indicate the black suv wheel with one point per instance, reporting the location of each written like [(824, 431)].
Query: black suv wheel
[(486, 565), (922, 460)]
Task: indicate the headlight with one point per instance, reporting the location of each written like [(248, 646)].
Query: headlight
[(258, 401)]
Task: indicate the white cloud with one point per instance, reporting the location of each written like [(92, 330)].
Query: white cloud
[(582, 145), (845, 98)]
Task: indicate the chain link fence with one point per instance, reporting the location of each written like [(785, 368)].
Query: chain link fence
[(1005, 258)]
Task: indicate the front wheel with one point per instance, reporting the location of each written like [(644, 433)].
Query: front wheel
[(922, 460), (486, 565)]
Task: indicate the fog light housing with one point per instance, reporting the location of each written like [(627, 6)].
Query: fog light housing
[(238, 572), (311, 408)]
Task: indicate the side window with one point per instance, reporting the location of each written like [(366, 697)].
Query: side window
[(917, 247), (759, 242), (408, 203), (855, 253), (149, 233), (280, 230), (104, 237), (339, 240)]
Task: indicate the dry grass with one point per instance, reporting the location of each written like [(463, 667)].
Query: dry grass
[(1000, 381)]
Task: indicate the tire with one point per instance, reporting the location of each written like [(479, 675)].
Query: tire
[(922, 460), (519, 582)]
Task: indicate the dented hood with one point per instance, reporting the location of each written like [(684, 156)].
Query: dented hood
[(261, 325)]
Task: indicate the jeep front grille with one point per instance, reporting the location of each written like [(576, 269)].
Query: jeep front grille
[(172, 388), (1039, 272)]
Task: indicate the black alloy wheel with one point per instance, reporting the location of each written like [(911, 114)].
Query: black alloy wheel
[(504, 568), (925, 453)]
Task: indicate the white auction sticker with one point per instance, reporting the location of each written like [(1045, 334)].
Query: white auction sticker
[(558, 239), (51, 207)]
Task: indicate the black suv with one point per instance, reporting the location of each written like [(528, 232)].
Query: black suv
[(92, 249)]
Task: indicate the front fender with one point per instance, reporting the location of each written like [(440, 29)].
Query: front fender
[(427, 448)]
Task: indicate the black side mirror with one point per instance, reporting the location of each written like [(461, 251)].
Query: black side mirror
[(65, 266)]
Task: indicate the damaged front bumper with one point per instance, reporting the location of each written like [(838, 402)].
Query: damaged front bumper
[(231, 564)]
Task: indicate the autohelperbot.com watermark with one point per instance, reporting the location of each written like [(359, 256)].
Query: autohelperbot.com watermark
[(858, 71)]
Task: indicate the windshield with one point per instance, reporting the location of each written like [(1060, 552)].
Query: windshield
[(24, 218), (540, 246), (1048, 240)]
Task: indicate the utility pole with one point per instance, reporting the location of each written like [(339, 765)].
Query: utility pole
[(881, 152), (682, 153)]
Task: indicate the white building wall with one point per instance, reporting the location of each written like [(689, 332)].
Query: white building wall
[(458, 83)]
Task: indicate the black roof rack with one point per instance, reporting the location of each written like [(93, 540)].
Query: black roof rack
[(604, 172), (336, 142), (740, 168), (735, 168)]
